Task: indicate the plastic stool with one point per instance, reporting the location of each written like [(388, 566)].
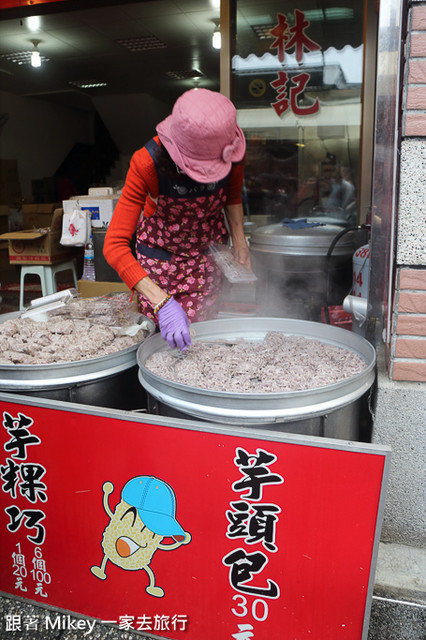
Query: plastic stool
[(47, 275)]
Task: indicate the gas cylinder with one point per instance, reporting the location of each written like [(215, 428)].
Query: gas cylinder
[(356, 303), (360, 270)]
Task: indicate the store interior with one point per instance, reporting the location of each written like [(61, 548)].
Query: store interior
[(110, 71)]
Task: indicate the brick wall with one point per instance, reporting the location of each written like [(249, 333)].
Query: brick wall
[(415, 80), (407, 355)]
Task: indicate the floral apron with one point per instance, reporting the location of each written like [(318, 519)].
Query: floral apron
[(172, 244)]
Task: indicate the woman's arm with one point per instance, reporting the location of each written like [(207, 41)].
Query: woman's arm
[(235, 217), (141, 180), (150, 290), (234, 214)]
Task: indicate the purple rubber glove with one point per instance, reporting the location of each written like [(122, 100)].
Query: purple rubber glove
[(174, 325)]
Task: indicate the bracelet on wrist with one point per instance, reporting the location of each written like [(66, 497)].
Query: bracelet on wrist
[(161, 304)]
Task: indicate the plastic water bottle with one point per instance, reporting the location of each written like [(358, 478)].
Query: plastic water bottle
[(89, 261)]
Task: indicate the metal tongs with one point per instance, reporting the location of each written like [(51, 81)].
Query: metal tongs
[(40, 307)]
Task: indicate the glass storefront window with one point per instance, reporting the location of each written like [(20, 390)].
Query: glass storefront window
[(297, 74)]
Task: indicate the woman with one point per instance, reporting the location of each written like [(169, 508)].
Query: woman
[(176, 190)]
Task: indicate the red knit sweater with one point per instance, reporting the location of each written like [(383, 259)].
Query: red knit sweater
[(139, 194)]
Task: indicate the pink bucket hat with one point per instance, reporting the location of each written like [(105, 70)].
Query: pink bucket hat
[(202, 136)]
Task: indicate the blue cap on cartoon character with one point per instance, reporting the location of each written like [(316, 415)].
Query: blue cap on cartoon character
[(155, 502)]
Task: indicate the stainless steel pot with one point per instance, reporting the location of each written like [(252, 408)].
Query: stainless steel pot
[(108, 381), (331, 410), (296, 277)]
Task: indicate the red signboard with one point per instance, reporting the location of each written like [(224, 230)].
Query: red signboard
[(186, 531)]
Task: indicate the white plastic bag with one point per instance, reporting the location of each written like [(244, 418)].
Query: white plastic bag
[(76, 228)]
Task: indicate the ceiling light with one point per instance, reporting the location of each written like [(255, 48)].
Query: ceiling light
[(263, 31), (143, 43), (331, 13), (21, 57), (185, 74), (35, 54), (33, 23), (35, 59), (216, 37), (88, 84)]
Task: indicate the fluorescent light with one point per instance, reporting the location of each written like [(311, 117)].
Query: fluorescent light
[(142, 43), (35, 54), (21, 57), (35, 59), (33, 23), (185, 74), (216, 38), (88, 84), (330, 13)]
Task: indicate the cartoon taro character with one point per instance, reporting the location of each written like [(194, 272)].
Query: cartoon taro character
[(145, 514)]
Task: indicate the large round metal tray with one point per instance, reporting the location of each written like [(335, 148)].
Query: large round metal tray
[(260, 407), (23, 377)]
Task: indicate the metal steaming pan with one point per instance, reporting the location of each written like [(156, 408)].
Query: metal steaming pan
[(257, 408), (22, 377)]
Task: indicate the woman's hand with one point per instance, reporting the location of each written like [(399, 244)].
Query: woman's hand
[(235, 217), (174, 325), (242, 255), (172, 319)]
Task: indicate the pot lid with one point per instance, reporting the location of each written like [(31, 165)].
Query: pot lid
[(298, 235)]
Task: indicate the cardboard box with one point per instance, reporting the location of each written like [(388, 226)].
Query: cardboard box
[(38, 216), (40, 246), (101, 208), (90, 289)]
